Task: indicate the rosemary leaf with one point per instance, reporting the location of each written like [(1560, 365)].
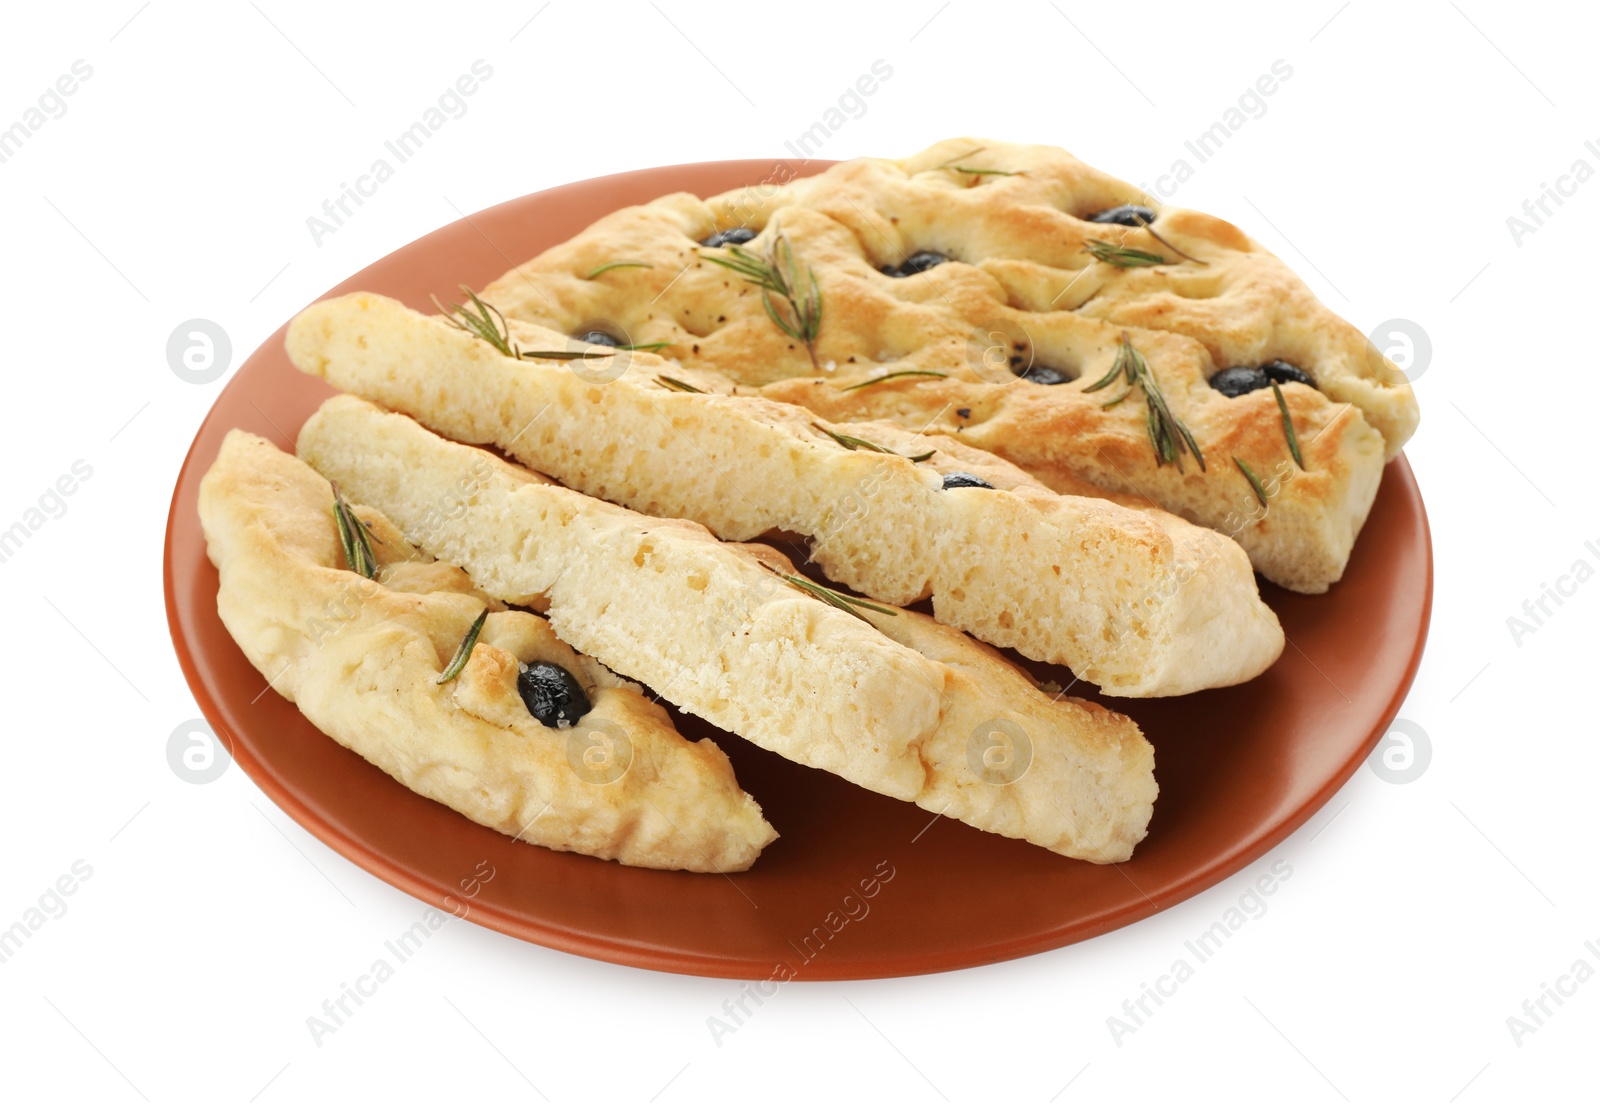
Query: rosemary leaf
[(488, 323), (354, 538), (894, 375), (962, 156), (1115, 370), (781, 277), (1288, 426), (565, 354), (678, 385), (346, 537), (1162, 444), (1255, 483), (813, 309), (464, 650), (1113, 402), (848, 603), (609, 265), (1169, 437), (984, 172), (1188, 437), (778, 320), (853, 443), (1151, 230), (747, 264), (1120, 255)]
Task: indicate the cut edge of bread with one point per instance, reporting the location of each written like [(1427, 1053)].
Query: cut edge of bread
[(891, 701), (1135, 601), (361, 659)]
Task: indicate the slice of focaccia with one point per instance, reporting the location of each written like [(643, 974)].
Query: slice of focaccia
[(1135, 601), (888, 699), (362, 657), (977, 267)]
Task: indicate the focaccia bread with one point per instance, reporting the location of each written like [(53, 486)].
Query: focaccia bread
[(1132, 598), (969, 261), (362, 657), (888, 699)]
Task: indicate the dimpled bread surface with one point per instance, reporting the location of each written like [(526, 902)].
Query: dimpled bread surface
[(1018, 293)]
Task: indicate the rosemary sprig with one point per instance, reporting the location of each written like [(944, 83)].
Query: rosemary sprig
[(848, 603), (1288, 426), (353, 537), (853, 443), (609, 265), (1255, 483), (894, 375), (1121, 255), (1168, 435), (1151, 230), (564, 354), (678, 385), (589, 354), (464, 650), (780, 274), (962, 156), (488, 323)]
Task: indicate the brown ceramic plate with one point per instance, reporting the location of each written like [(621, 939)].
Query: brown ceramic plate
[(1239, 768)]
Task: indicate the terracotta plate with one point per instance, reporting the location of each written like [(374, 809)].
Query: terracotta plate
[(1239, 769)]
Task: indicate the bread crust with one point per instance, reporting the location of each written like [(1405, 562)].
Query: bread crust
[(1018, 285), (361, 659), (892, 701), (1133, 599)]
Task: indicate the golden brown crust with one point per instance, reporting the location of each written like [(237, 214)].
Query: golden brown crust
[(361, 659), (1019, 285)]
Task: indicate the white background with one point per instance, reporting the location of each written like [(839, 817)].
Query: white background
[(177, 185)]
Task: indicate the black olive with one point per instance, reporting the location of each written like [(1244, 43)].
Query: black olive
[(1234, 382), (551, 694), (599, 337), (1129, 214), (1038, 373), (1284, 372), (964, 479), (734, 235), (917, 262)]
